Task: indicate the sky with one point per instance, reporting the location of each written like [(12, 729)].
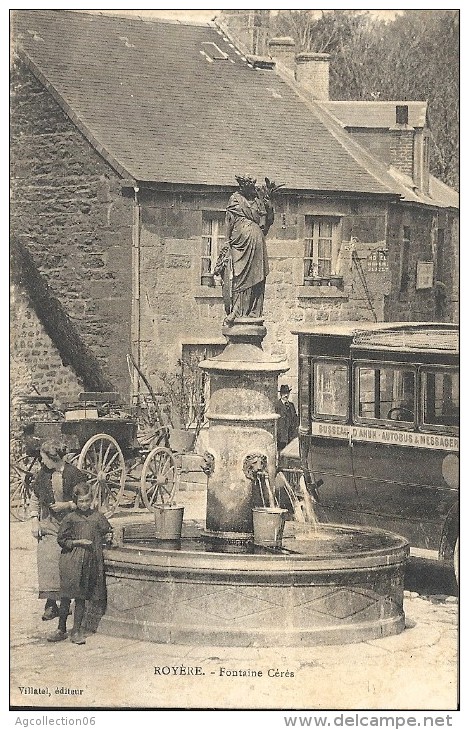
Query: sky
[(202, 15)]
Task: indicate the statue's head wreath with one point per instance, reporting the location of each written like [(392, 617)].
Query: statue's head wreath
[(245, 180)]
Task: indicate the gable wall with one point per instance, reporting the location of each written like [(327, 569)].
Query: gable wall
[(68, 210)]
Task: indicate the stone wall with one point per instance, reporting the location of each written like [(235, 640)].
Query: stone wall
[(175, 308), (376, 141), (34, 361), (68, 210), (415, 304), (402, 148)]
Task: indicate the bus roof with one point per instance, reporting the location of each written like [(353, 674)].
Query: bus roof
[(410, 336)]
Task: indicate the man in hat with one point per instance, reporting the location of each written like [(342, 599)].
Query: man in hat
[(287, 424)]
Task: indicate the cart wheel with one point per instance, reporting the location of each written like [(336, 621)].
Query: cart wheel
[(102, 460), (159, 480), (22, 473)]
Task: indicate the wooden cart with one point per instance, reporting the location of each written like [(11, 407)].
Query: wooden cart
[(103, 442)]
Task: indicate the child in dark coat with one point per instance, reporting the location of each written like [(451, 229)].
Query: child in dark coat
[(81, 565)]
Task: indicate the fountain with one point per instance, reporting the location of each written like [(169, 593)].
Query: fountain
[(216, 586), (221, 584)]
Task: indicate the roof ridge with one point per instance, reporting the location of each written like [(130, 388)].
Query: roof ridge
[(162, 112), (133, 15), (355, 150)]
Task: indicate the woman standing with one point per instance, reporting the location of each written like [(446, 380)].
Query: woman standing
[(51, 500)]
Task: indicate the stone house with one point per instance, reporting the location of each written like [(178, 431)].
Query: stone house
[(126, 135)]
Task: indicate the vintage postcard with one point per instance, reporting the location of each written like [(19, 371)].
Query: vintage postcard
[(234, 362)]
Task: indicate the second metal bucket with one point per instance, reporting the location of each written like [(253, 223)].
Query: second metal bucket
[(168, 522), (268, 525)]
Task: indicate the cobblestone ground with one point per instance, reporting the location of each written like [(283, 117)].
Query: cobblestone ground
[(414, 670)]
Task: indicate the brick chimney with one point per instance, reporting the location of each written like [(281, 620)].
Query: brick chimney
[(283, 50), (312, 73), (402, 142)]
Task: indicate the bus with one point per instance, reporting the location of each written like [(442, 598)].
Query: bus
[(379, 428)]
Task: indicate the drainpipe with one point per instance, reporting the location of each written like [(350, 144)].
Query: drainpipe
[(135, 322)]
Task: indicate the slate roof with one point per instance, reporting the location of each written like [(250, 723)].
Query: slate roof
[(439, 195), (448, 197), (147, 96), (376, 114), (154, 100)]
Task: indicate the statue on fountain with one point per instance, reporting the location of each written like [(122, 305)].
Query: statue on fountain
[(243, 263)]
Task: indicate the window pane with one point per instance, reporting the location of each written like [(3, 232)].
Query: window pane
[(206, 225), (397, 395), (324, 257), (304, 394), (330, 389), (324, 267), (206, 246), (385, 394), (366, 393), (206, 265), (440, 393), (325, 228), (405, 252), (324, 248)]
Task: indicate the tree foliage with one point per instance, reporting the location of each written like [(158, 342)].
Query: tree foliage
[(413, 57)]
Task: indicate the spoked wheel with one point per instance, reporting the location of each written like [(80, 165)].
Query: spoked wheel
[(159, 480), (22, 473), (102, 460)]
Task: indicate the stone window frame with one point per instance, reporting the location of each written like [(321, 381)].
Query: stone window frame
[(314, 272), (404, 274), (213, 239)]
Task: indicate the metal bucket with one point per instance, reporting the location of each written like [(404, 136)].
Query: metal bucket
[(268, 525), (168, 522)]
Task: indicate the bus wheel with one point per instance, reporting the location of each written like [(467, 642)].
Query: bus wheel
[(456, 560)]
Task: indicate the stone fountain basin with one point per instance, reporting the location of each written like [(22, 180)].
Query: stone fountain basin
[(341, 585)]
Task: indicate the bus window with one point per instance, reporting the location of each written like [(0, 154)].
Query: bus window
[(330, 389), (440, 398), (384, 393)]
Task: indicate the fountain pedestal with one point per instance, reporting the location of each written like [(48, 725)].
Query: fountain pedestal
[(242, 418)]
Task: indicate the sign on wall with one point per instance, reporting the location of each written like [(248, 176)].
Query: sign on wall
[(424, 275)]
